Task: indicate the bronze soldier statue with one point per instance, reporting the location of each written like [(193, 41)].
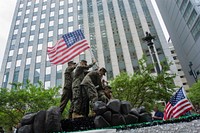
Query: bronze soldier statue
[(67, 89), (80, 73), (92, 90)]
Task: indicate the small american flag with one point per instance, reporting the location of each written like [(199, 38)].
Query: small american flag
[(177, 106), (68, 47)]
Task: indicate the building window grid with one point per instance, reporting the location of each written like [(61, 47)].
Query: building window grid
[(192, 18)]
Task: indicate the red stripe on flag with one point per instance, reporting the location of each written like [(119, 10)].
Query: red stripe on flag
[(63, 55)]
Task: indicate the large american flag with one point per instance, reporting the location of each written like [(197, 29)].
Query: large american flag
[(177, 106), (68, 47)]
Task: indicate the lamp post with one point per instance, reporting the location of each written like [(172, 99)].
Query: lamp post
[(193, 72), (148, 38)]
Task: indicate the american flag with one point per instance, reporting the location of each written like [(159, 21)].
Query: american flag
[(68, 47), (177, 106)]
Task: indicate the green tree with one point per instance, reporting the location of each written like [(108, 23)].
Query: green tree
[(144, 88), (16, 102), (194, 93)]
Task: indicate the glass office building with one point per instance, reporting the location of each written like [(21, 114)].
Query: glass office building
[(113, 28), (182, 19)]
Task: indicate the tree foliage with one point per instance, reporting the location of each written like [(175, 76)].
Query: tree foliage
[(194, 93), (16, 102), (144, 88)]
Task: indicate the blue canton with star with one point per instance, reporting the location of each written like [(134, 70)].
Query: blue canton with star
[(73, 37), (177, 97)]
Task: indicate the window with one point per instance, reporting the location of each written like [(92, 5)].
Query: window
[(42, 25), (61, 3), (24, 29), (21, 5), (47, 84), (22, 40), (18, 63), (47, 58), (39, 47), (30, 48), (51, 14), (43, 16), (27, 11), (29, 3), (50, 33), (19, 14), (53, 5), (44, 7), (31, 38), (34, 18), (196, 29), (50, 44), (15, 31), (183, 6), (187, 11), (26, 20), (35, 9), (28, 61), (13, 42), (51, 23), (32, 27), (70, 19), (11, 52), (70, 29), (48, 70), (61, 11), (192, 18), (60, 31), (41, 35), (59, 68), (36, 1), (20, 51), (8, 65), (38, 59), (37, 72), (70, 9), (17, 22), (60, 21), (70, 1)]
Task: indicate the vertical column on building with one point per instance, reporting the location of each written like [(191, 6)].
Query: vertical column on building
[(65, 30), (44, 47), (133, 30), (100, 54), (75, 21), (86, 28), (113, 54), (126, 54), (55, 39)]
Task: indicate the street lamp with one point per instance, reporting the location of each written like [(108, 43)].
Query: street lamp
[(148, 38), (193, 72)]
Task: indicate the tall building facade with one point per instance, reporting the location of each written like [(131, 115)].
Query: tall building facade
[(182, 19), (181, 74), (114, 29)]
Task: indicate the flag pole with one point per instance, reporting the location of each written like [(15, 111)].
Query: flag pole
[(93, 58)]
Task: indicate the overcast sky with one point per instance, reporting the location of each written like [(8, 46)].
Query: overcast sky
[(7, 8), (6, 14)]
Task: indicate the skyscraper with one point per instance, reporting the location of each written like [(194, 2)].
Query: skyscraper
[(182, 19), (114, 29)]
